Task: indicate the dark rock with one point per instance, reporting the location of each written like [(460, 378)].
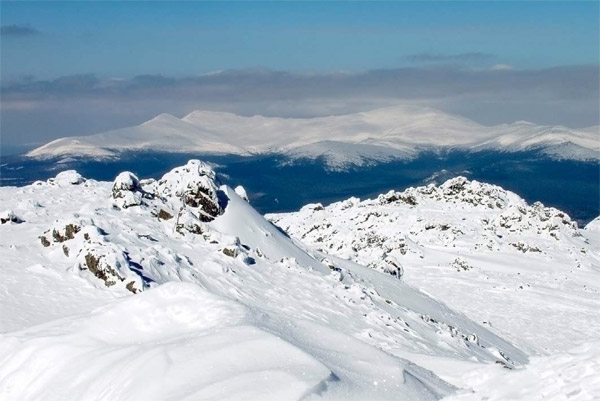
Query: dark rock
[(164, 215), (44, 241)]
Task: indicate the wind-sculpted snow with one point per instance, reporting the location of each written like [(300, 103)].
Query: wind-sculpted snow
[(178, 289), (392, 133), (175, 342), (525, 271)]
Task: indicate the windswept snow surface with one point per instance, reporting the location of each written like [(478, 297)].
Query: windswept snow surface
[(398, 132), (177, 289), (526, 272)]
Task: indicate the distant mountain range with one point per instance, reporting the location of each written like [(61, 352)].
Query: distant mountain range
[(399, 132)]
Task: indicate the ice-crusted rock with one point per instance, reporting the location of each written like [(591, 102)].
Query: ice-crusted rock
[(188, 222), (8, 216), (241, 191), (193, 185), (127, 191), (125, 181), (82, 240), (110, 265), (390, 265), (313, 206)]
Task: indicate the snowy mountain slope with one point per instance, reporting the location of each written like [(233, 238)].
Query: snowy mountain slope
[(162, 133), (378, 135), (177, 289), (525, 271)]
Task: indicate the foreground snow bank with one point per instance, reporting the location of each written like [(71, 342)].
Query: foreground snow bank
[(173, 342)]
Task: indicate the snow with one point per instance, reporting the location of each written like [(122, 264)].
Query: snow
[(192, 294), (480, 249), (68, 177), (398, 132), (570, 375), (241, 191), (173, 342)]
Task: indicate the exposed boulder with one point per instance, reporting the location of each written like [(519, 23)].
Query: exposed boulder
[(60, 233), (524, 247), (233, 247), (461, 265), (231, 251), (162, 214), (68, 233)]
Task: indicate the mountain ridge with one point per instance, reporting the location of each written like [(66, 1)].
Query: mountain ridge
[(398, 132)]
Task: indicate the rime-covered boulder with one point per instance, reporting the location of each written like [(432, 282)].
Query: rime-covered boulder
[(80, 241), (109, 264), (127, 191), (188, 222), (67, 178), (193, 185)]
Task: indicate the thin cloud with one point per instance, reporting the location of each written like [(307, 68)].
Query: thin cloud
[(42, 110), (18, 30), (449, 58), (501, 67), (250, 85)]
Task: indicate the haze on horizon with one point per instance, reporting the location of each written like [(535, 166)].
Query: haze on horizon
[(79, 68)]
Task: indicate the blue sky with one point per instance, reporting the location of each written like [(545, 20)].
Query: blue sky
[(132, 38), (78, 68)]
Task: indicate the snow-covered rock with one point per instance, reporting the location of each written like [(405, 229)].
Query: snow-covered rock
[(66, 178), (193, 185), (127, 191)]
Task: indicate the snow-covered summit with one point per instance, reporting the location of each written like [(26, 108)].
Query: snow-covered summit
[(477, 247), (378, 135)]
